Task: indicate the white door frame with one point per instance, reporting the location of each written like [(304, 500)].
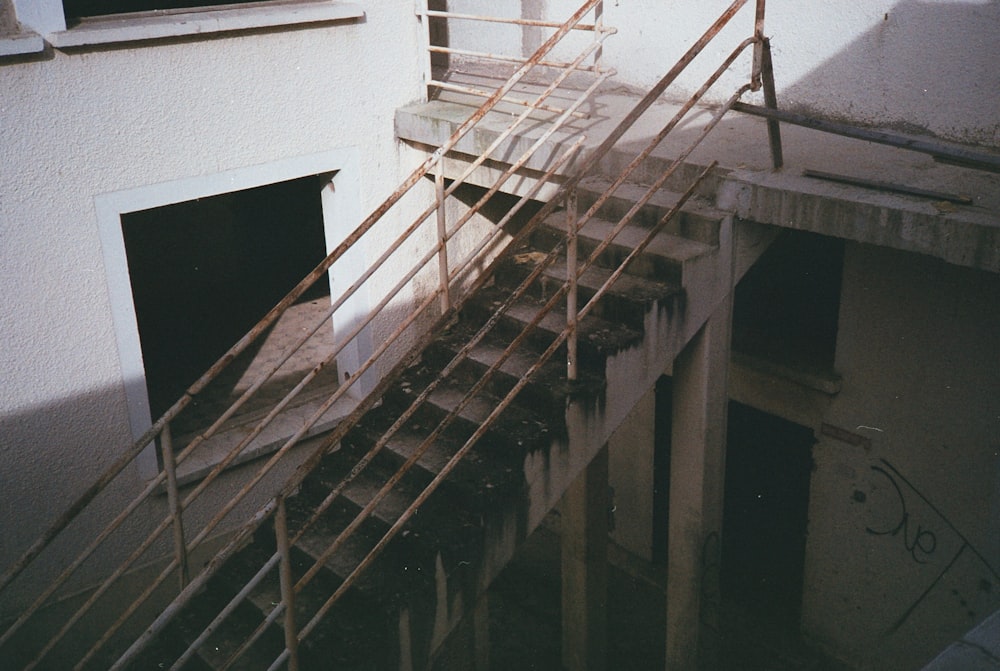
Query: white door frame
[(341, 199)]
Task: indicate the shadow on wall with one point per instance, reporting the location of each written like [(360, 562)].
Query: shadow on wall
[(925, 66)]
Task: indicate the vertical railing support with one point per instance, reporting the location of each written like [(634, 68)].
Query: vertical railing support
[(771, 100), (758, 49), (442, 234), (598, 35), (287, 584), (174, 502), (572, 361)]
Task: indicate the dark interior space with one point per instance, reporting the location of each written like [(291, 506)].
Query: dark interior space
[(77, 9), (203, 273), (662, 426), (768, 468), (787, 304)]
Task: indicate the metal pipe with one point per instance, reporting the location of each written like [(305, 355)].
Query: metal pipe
[(140, 444), (504, 58), (941, 152), (481, 93), (287, 589), (173, 502), (771, 100), (442, 239), (225, 612), (758, 52), (572, 362), (504, 19)]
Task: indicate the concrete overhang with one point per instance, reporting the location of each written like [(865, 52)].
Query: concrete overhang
[(962, 234)]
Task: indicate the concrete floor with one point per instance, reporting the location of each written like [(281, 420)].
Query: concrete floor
[(524, 607)]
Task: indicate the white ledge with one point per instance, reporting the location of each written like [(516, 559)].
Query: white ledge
[(18, 44), (179, 23)]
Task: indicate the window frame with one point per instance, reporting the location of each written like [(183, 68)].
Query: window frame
[(46, 18)]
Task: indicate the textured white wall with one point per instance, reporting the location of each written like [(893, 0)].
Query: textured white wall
[(924, 65), (90, 122), (893, 576)]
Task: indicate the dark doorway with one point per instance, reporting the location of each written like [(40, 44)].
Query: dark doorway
[(768, 467), (203, 273)]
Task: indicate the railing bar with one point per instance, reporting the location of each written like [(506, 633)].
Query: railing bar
[(771, 100), (504, 58), (572, 364), (513, 101), (488, 374), (367, 458), (226, 612), (236, 450), (527, 154), (322, 410), (193, 587), (666, 130), (758, 52), (537, 23), (558, 123), (442, 237), (285, 579), (140, 444), (173, 503), (656, 228)]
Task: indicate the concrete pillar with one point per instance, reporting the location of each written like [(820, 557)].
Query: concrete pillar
[(584, 534), (697, 476), (481, 634)]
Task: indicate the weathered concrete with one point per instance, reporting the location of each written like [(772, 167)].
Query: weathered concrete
[(697, 476), (584, 535), (967, 235)]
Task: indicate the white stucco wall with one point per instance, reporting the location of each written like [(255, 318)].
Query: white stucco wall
[(75, 125), (893, 576), (919, 65)]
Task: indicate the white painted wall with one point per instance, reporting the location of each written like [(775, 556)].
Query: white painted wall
[(76, 125), (921, 65), (917, 349)]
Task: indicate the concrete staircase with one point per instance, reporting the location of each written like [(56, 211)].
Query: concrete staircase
[(432, 574)]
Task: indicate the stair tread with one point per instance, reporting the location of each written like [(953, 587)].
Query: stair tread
[(665, 245), (662, 199), (632, 287)]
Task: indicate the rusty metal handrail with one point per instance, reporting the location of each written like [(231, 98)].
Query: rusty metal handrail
[(483, 380), (162, 424), (448, 308)]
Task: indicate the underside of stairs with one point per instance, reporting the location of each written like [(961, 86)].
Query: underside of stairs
[(403, 607)]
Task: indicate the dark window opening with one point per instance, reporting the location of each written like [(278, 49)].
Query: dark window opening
[(787, 305), (77, 9), (204, 272), (765, 515)]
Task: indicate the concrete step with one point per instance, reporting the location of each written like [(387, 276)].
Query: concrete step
[(663, 260), (697, 220)]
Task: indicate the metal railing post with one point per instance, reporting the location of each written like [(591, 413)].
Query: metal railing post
[(758, 49), (287, 584), (174, 502), (771, 100), (572, 360), (442, 237)]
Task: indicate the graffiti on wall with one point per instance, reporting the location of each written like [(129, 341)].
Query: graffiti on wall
[(930, 539)]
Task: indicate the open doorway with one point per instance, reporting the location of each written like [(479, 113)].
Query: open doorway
[(768, 470)]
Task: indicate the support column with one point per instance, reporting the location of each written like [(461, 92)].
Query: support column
[(584, 534), (481, 634), (697, 476)]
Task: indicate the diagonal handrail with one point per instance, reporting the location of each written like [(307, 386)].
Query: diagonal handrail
[(571, 180)]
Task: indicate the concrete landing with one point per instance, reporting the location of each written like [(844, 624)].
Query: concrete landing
[(979, 650), (966, 235)]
